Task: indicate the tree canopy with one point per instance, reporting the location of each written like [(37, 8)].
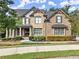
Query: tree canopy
[(7, 15)]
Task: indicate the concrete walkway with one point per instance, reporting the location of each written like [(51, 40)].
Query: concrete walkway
[(21, 50), (70, 57)]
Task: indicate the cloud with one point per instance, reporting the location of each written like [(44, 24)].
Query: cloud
[(34, 1), (62, 4), (72, 9), (26, 1), (42, 7), (22, 3), (51, 3), (74, 2), (42, 1), (18, 6), (71, 2)]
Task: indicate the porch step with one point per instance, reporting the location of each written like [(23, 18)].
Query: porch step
[(26, 39)]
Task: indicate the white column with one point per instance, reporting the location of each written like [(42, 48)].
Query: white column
[(6, 33), (9, 32), (13, 33), (23, 32), (20, 31), (30, 31)]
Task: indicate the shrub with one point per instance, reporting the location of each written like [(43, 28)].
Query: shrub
[(18, 38), (37, 38), (60, 38)]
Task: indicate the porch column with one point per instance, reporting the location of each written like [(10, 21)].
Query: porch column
[(13, 33), (20, 31), (23, 32), (6, 33), (30, 31), (9, 32)]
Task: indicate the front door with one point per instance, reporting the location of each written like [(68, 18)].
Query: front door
[(26, 32)]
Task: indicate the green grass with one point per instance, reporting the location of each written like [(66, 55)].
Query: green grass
[(43, 55)]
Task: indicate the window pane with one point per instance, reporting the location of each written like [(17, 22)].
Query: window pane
[(59, 31), (58, 19), (37, 31), (37, 19), (27, 21), (23, 21)]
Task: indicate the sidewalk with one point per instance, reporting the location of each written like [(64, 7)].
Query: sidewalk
[(21, 50)]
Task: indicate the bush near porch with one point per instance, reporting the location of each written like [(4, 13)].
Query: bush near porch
[(43, 38), (37, 38), (52, 38), (60, 38)]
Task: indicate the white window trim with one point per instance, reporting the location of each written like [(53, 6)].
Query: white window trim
[(57, 19), (37, 31), (38, 20), (25, 21), (60, 34)]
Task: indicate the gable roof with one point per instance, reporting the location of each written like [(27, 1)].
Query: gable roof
[(23, 12), (48, 14), (52, 13), (38, 10)]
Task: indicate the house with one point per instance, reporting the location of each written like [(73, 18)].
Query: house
[(38, 22)]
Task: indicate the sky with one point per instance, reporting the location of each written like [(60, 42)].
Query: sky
[(44, 4)]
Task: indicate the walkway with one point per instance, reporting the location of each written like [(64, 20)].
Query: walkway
[(21, 50)]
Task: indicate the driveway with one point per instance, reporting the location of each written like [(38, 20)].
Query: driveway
[(70, 57), (21, 50)]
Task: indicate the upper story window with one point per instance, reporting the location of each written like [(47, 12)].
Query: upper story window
[(25, 21), (38, 19), (58, 19)]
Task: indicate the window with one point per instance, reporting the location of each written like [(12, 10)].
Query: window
[(37, 19), (58, 19), (25, 21), (59, 31), (37, 31)]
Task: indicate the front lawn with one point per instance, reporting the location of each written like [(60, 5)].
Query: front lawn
[(43, 55)]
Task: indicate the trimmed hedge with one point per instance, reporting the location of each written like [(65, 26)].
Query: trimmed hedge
[(37, 38), (61, 38)]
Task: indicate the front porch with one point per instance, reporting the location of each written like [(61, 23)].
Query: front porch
[(19, 31)]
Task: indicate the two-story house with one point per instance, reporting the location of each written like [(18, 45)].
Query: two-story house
[(38, 22)]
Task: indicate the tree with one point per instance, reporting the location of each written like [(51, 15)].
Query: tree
[(75, 22), (7, 15), (66, 9), (53, 9)]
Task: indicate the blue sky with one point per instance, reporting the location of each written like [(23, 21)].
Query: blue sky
[(44, 4)]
